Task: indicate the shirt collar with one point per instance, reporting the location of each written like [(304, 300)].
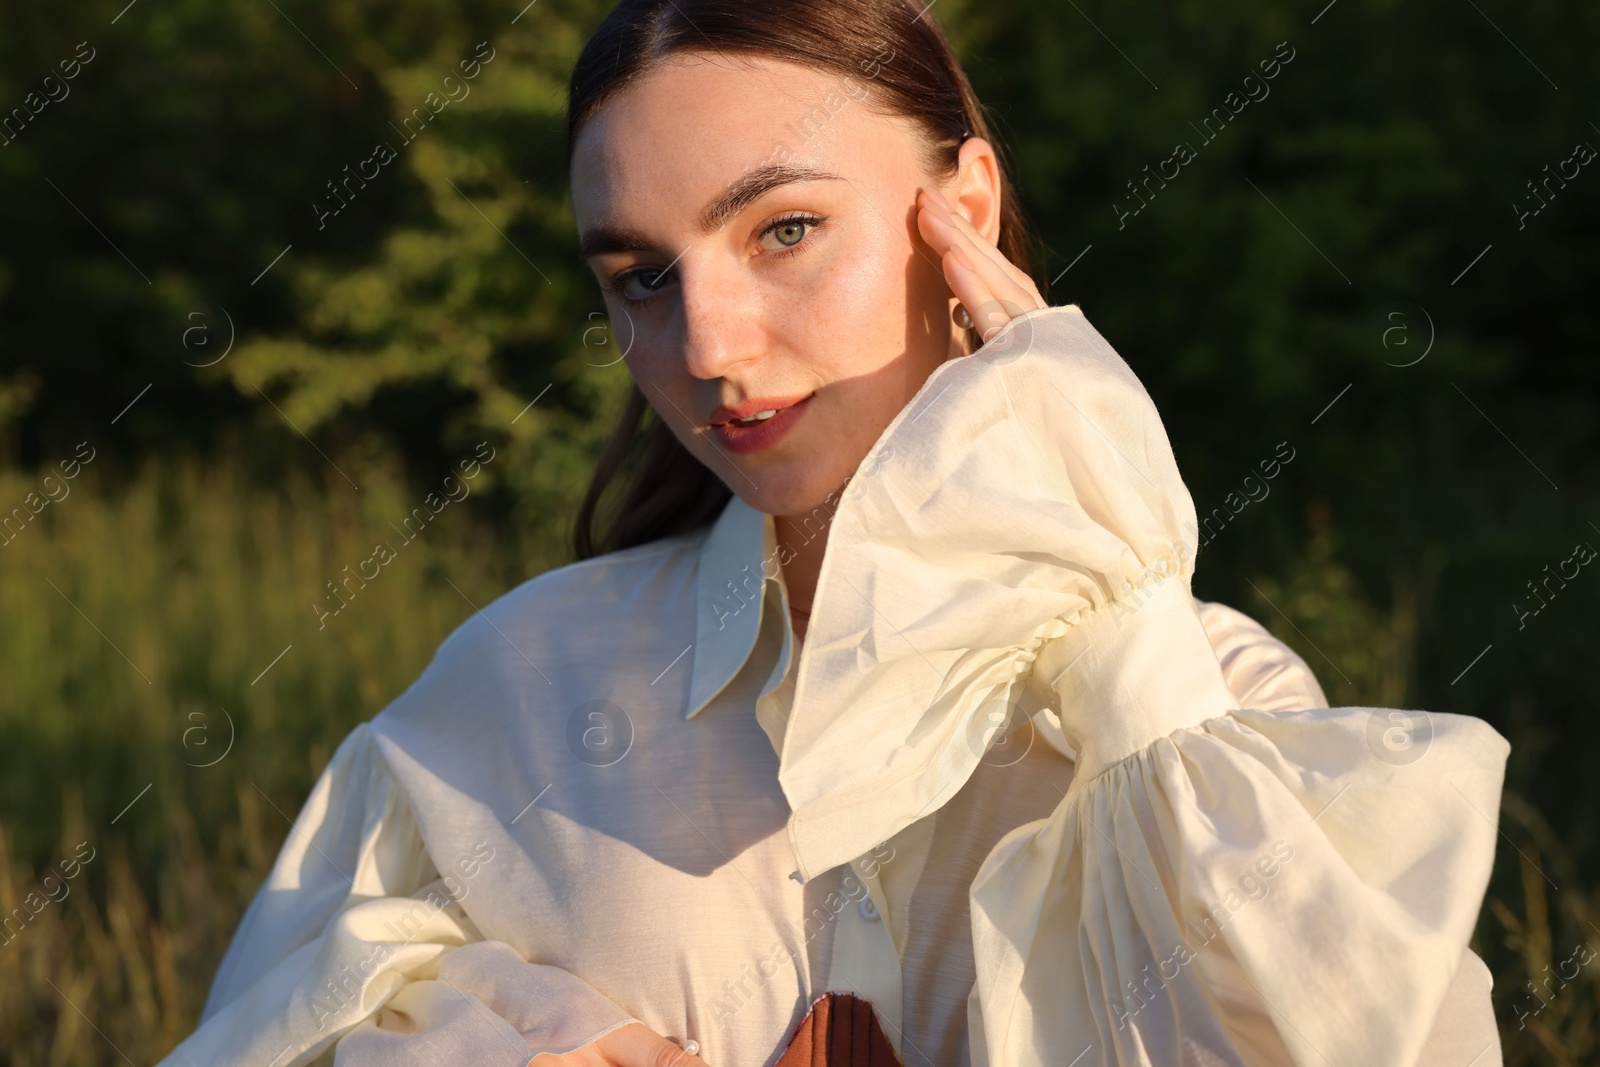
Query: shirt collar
[(737, 558)]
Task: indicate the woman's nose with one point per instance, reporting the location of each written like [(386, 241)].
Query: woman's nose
[(723, 320)]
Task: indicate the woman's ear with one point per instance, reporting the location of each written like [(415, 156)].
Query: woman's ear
[(977, 187)]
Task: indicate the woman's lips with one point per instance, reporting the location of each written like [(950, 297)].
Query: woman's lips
[(760, 435)]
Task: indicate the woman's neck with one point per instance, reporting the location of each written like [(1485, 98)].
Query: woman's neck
[(802, 540)]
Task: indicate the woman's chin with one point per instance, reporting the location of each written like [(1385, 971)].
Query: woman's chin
[(796, 493)]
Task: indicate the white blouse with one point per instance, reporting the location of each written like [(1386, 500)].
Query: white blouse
[(1039, 804)]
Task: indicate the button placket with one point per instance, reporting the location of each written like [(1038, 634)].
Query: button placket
[(866, 907), (865, 960)]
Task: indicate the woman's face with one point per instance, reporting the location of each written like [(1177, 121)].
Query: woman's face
[(754, 225)]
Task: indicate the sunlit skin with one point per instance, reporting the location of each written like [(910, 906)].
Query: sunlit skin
[(849, 296)]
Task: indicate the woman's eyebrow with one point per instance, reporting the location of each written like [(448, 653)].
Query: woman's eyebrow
[(603, 239), (740, 193), (750, 187)]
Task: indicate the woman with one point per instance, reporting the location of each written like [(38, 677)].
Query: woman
[(885, 677)]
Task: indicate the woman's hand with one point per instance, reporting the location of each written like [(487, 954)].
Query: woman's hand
[(633, 1045), (992, 288)]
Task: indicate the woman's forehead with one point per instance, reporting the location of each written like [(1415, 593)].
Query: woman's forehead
[(699, 121)]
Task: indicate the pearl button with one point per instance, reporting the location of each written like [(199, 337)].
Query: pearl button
[(692, 1047), (868, 910)]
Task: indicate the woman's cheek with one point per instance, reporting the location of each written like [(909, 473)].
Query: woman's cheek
[(666, 385), (854, 306)]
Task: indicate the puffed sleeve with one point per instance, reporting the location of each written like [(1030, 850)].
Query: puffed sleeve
[(1261, 670), (1264, 673), (1222, 882), (357, 951), (1294, 886)]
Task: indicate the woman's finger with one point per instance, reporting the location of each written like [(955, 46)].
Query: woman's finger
[(643, 1047), (978, 273), (984, 250), (633, 1045), (991, 298), (971, 284), (988, 248), (964, 282)]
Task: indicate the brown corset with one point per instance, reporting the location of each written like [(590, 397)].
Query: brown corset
[(840, 1030)]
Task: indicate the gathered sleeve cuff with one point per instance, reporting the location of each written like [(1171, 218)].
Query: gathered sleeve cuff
[(356, 946)]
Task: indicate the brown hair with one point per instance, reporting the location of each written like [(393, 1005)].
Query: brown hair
[(895, 43)]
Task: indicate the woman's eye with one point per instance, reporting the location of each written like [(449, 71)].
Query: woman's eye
[(788, 232), (649, 279), (641, 285)]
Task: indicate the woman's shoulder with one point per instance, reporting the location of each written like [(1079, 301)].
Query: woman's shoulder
[(535, 635), (622, 579)]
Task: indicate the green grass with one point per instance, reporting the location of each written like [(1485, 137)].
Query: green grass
[(138, 619)]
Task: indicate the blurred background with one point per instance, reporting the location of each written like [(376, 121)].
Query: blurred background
[(224, 381)]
